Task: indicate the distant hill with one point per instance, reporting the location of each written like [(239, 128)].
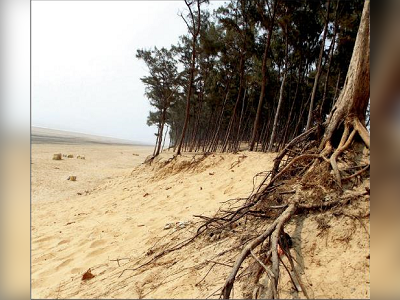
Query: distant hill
[(41, 135)]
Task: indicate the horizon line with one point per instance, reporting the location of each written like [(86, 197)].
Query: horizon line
[(94, 135)]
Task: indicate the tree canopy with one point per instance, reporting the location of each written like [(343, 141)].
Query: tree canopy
[(255, 74)]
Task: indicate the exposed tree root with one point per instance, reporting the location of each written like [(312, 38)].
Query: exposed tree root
[(279, 196), (344, 144), (298, 278), (274, 228), (291, 208), (363, 132), (357, 173)]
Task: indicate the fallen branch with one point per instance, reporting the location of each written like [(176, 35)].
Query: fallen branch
[(118, 259)]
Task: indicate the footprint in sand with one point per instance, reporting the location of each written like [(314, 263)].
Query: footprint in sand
[(46, 273), (64, 264), (63, 242), (44, 239), (97, 243), (228, 190), (97, 252), (42, 257), (38, 283), (77, 270)]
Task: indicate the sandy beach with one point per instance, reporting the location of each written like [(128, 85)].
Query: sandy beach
[(118, 209)]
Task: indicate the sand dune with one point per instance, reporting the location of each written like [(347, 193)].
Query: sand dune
[(121, 212)]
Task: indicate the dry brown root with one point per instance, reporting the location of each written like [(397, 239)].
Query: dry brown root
[(296, 159), (342, 147), (344, 144), (303, 289), (362, 131), (357, 173), (274, 230), (295, 141), (276, 226)]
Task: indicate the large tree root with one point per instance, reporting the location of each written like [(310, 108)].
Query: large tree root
[(274, 229), (362, 131), (328, 154), (345, 142)]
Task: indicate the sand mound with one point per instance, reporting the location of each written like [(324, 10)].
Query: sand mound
[(165, 165), (123, 222)]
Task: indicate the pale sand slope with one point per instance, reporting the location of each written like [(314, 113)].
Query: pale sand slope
[(125, 215)]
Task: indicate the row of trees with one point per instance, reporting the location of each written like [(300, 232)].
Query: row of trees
[(254, 74)]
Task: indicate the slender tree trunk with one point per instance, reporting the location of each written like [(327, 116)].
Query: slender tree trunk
[(263, 132), (196, 124), (228, 132), (264, 138), (195, 33), (319, 64), (271, 142), (158, 137), (160, 133), (264, 81), (336, 90), (274, 126), (189, 93), (292, 107), (207, 133), (176, 137), (237, 141), (300, 119), (214, 141), (165, 137), (331, 51)]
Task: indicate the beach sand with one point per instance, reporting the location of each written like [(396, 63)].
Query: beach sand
[(118, 209)]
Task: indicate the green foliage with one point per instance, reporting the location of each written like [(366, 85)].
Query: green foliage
[(229, 53)]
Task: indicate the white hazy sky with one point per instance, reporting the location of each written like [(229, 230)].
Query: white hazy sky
[(85, 76)]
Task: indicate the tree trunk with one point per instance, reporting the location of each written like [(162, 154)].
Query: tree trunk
[(195, 33), (264, 82), (271, 142), (165, 137), (189, 93), (214, 141), (331, 51), (161, 131), (237, 141), (336, 90), (300, 78), (228, 132), (314, 90), (351, 106), (158, 137)]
